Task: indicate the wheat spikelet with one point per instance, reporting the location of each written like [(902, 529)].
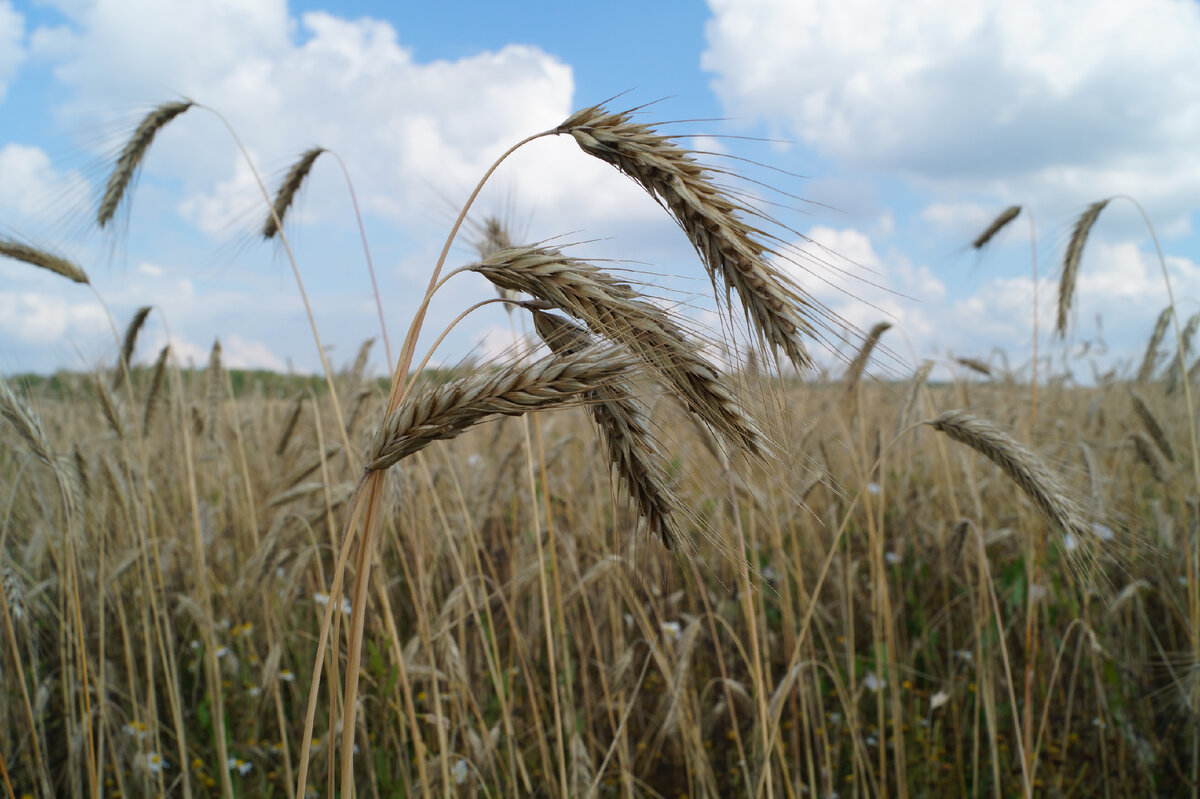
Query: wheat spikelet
[(156, 383), (288, 190), (131, 157), (1024, 468), (614, 310), (1176, 369), (1153, 428), (855, 370), (127, 345), (1150, 358), (999, 223), (1150, 455), (42, 259), (445, 411), (622, 423), (733, 252), (1079, 237)]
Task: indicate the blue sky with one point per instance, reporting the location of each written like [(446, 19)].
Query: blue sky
[(894, 133)]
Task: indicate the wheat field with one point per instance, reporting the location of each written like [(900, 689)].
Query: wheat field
[(617, 567)]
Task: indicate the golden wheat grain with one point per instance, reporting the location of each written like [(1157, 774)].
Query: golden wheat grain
[(1023, 467), (999, 223), (288, 190), (131, 157), (622, 422), (1079, 237), (42, 259), (735, 253), (612, 309), (445, 411)]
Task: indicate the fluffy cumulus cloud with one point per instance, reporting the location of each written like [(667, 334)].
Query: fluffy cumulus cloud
[(33, 189), (1025, 98), (415, 135), (12, 53)]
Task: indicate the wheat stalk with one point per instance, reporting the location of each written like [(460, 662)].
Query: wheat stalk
[(614, 310), (42, 259), (622, 423), (131, 157), (999, 223), (1021, 465), (288, 190), (1079, 237), (733, 252), (445, 411)]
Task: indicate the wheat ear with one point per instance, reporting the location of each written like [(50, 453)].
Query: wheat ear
[(1178, 364), (127, 345), (131, 157), (1153, 428), (1079, 237), (734, 252), (1021, 465), (855, 370), (446, 411), (42, 259), (1149, 454), (156, 383), (612, 309), (288, 190), (999, 223), (623, 427), (1150, 358)]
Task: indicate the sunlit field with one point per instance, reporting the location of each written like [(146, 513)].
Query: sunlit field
[(631, 560)]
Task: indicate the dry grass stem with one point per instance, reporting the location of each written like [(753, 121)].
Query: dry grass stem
[(445, 411), (622, 422), (999, 223), (735, 253), (1021, 465), (42, 259), (612, 309), (1079, 237), (288, 190), (131, 158)]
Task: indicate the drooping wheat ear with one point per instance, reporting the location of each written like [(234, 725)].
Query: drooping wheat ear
[(1079, 237), (1150, 455), (290, 425), (623, 427), (999, 223), (131, 334), (1176, 370), (25, 423), (445, 411), (1150, 358), (855, 370), (156, 383), (131, 157), (735, 254), (1152, 425), (612, 309), (975, 365), (42, 259), (1021, 465), (288, 190)]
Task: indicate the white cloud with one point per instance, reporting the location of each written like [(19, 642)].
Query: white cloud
[(32, 189), (1022, 98), (39, 318), (12, 53)]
